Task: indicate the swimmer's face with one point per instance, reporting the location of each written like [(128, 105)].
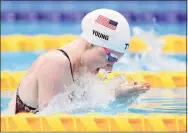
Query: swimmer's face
[(96, 58)]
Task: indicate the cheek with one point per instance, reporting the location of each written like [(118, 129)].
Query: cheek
[(96, 60)]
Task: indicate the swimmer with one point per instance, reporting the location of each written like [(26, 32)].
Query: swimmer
[(104, 40)]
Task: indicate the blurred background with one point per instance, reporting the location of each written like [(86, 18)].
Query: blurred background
[(62, 17)]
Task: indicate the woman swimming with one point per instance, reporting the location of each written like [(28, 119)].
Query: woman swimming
[(104, 40)]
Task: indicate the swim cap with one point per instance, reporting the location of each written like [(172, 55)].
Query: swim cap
[(106, 28)]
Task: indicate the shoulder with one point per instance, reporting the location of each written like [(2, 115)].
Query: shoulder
[(53, 60)]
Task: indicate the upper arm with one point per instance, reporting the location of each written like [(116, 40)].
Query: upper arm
[(52, 77)]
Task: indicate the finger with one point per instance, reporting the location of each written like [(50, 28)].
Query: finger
[(146, 85), (138, 87), (142, 87)]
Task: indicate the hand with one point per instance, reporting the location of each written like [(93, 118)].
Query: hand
[(143, 86), (123, 86), (135, 87)]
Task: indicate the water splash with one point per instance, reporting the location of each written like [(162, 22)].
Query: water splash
[(86, 94), (151, 60), (91, 94)]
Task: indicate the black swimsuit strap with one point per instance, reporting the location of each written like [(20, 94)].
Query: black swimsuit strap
[(69, 61), (35, 110)]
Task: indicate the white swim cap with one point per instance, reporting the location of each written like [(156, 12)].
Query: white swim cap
[(106, 28)]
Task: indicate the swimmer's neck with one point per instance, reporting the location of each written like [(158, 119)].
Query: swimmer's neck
[(75, 50), (82, 44)]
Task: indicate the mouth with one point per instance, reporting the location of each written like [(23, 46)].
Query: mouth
[(97, 70)]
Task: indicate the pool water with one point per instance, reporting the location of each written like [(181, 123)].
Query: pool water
[(161, 100), (171, 101), (19, 61), (4, 103), (74, 28)]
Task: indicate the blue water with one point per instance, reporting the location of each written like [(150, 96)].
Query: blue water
[(173, 101), (18, 61), (75, 28), (164, 104), (159, 103), (4, 103)]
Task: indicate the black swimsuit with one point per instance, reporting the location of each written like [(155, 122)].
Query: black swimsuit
[(22, 107)]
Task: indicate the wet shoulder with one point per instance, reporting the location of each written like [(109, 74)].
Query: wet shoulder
[(53, 57)]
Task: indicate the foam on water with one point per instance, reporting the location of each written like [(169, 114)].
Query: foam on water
[(151, 60), (87, 92)]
